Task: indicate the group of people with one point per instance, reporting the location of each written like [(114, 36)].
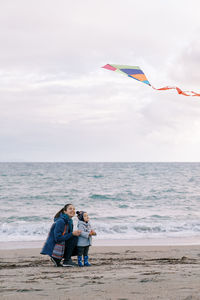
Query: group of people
[(63, 241)]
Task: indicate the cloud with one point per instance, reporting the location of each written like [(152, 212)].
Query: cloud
[(186, 65)]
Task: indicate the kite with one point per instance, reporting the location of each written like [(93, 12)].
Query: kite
[(137, 74)]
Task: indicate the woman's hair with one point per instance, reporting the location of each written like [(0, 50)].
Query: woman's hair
[(62, 210)]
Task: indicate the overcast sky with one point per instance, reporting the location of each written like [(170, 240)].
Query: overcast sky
[(58, 104)]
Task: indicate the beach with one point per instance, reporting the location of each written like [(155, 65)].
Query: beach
[(146, 216), (117, 272)]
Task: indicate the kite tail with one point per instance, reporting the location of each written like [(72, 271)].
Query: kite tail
[(179, 91), (195, 94)]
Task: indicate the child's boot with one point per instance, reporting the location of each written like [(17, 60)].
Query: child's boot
[(86, 263), (80, 261)]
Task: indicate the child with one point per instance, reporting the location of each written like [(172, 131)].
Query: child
[(85, 238)]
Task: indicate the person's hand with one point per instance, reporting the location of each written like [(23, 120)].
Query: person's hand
[(76, 232), (92, 232)]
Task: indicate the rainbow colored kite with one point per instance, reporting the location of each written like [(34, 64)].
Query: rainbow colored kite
[(137, 74)]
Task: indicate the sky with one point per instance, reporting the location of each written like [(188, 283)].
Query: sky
[(56, 102)]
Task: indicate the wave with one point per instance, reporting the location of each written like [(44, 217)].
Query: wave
[(107, 229), (98, 176), (101, 197)]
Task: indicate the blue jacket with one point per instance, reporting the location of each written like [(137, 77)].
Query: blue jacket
[(56, 233)]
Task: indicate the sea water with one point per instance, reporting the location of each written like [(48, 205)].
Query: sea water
[(124, 200)]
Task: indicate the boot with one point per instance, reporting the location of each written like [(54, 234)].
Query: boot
[(86, 263), (80, 261)]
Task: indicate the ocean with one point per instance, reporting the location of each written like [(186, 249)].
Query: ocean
[(129, 201)]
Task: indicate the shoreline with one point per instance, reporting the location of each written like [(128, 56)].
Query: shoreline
[(110, 243)]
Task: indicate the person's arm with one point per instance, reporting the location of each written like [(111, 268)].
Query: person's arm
[(85, 234), (76, 232)]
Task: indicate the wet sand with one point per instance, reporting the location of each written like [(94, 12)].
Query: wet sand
[(117, 272)]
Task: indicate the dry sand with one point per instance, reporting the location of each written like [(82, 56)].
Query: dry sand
[(130, 272)]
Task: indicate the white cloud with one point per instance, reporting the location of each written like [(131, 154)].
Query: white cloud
[(185, 69)]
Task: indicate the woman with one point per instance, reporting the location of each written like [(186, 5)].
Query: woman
[(62, 240)]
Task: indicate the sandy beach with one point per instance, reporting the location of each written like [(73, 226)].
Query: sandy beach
[(117, 272)]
